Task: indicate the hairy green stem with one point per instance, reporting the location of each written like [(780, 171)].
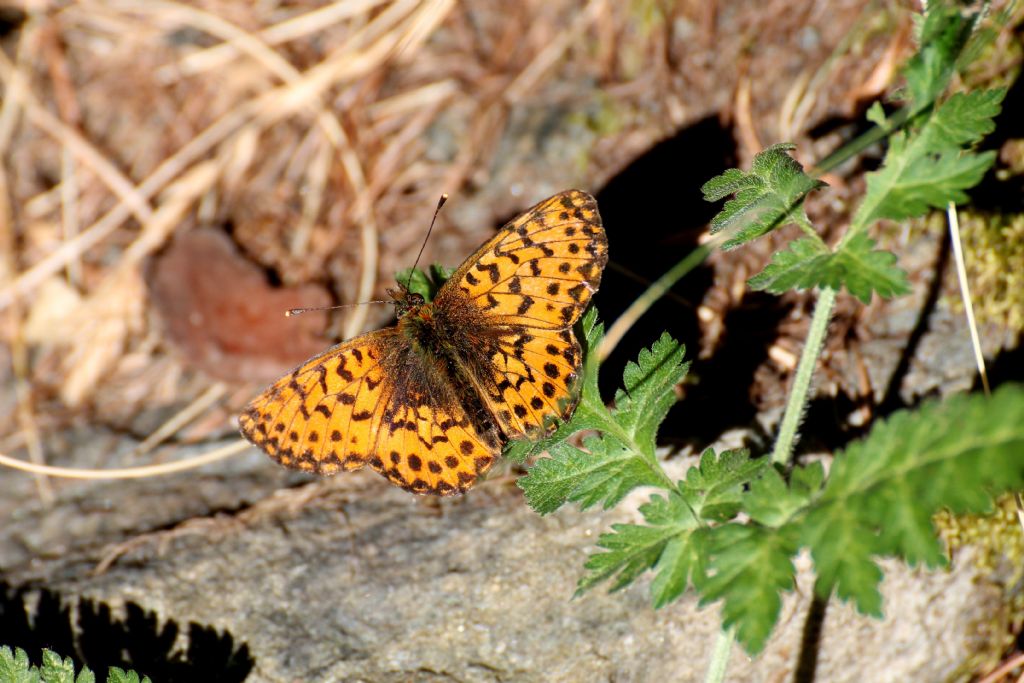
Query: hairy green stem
[(784, 443), (720, 657), (798, 394)]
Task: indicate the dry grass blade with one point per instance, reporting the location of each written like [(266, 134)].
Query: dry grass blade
[(115, 309), (529, 77), (142, 472), (190, 412), (965, 294), (292, 29), (112, 220), (73, 142)]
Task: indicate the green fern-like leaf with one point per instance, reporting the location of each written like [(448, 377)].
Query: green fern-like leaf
[(928, 167), (769, 196), (750, 567), (121, 676), (621, 456), (857, 265), (878, 500), (714, 488), (942, 34), (15, 667), (885, 489), (672, 543), (58, 670), (649, 391)]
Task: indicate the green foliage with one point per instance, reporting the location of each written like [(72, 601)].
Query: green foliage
[(621, 456), (942, 35), (878, 501), (731, 528), (885, 489), (857, 265), (634, 548), (769, 196), (424, 283), (16, 668), (750, 566), (712, 489), (926, 166), (674, 540)]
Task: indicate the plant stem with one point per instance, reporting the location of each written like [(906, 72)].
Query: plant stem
[(795, 406), (720, 657), (798, 394)]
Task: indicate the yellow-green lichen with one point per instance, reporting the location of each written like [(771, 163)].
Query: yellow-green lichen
[(998, 543), (994, 255)]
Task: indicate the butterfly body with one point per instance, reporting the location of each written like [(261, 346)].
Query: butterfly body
[(430, 402)]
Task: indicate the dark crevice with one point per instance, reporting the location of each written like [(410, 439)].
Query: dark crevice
[(654, 214), (92, 636), (891, 400)]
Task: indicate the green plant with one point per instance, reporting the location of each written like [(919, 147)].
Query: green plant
[(15, 668), (731, 528)]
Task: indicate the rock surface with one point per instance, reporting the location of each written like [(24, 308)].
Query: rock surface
[(351, 580)]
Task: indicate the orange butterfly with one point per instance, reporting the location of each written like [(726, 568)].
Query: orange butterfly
[(430, 402)]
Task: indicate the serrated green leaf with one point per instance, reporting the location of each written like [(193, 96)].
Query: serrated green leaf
[(942, 33), (750, 566), (927, 183), (769, 196), (857, 265), (15, 667), (842, 551), (649, 391), (57, 670), (771, 502), (963, 120), (117, 675), (572, 475), (621, 458), (714, 488), (671, 542), (882, 492), (928, 167), (681, 564)]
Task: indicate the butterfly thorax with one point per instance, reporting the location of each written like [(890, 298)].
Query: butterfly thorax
[(432, 334)]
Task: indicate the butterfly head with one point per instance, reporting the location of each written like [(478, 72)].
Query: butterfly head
[(405, 301)]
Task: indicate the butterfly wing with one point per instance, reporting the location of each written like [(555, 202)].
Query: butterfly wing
[(531, 282), (541, 269), (370, 401)]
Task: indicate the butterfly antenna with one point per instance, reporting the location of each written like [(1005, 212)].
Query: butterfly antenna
[(299, 311), (440, 203)]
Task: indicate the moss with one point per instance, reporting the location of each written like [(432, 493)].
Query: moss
[(999, 555), (994, 254)]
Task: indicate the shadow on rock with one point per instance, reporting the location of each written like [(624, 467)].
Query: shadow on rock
[(87, 631)]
